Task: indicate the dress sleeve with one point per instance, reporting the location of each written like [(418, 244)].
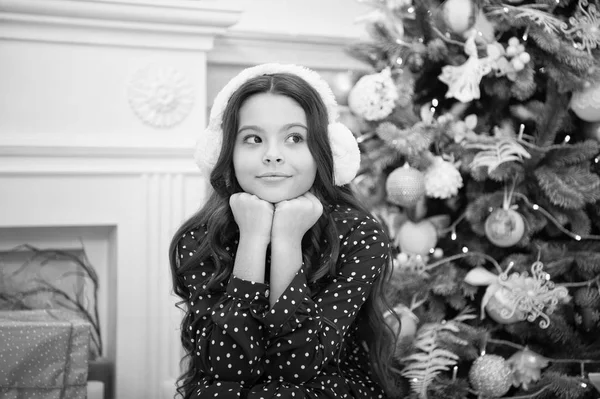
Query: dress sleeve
[(227, 335), (304, 333)]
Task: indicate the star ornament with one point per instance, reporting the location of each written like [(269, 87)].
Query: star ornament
[(585, 26)]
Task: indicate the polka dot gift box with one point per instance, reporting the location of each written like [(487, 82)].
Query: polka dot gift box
[(43, 354)]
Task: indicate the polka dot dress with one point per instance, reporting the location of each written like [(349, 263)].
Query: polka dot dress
[(305, 346)]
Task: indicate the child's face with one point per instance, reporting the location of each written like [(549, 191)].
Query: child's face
[(271, 158)]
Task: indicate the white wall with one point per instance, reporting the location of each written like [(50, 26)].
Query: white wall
[(329, 18)]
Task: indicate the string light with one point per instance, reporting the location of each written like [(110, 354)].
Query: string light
[(453, 236), (567, 138), (549, 216), (465, 250)]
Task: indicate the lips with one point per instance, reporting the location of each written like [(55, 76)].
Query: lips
[(273, 176)]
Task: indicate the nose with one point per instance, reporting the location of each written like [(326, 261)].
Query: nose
[(273, 155)]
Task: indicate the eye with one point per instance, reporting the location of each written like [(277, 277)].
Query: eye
[(295, 138), (252, 139)]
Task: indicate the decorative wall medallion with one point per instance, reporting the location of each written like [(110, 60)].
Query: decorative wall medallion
[(160, 96)]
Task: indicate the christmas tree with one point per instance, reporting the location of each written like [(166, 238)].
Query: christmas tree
[(479, 123)]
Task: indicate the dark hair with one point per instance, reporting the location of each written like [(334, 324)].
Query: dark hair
[(217, 217)]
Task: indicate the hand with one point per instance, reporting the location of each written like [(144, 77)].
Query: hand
[(253, 216), (293, 218)]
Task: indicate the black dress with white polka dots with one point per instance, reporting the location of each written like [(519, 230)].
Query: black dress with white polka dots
[(306, 345)]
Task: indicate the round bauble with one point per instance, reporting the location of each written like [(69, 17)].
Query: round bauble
[(491, 376), (586, 103), (341, 84), (459, 15), (417, 238), (405, 186), (407, 328), (500, 308), (504, 227)]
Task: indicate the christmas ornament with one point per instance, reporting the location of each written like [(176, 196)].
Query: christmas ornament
[(518, 296), (463, 80), (483, 30), (459, 15), (407, 328), (374, 96), (584, 26), (341, 84), (417, 238), (497, 152), (526, 366), (504, 227), (405, 186), (491, 376), (591, 130), (442, 179), (586, 103), (587, 301)]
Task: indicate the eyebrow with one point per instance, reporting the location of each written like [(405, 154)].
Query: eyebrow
[(260, 129)]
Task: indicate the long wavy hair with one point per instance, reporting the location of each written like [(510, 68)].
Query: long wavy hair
[(216, 216)]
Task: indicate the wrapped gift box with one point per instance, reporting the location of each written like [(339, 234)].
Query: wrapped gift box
[(43, 354)]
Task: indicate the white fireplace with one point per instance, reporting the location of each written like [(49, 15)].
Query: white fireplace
[(100, 105)]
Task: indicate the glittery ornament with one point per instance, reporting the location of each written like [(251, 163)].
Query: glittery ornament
[(526, 366), (491, 376), (586, 103), (417, 238), (504, 227), (405, 186)]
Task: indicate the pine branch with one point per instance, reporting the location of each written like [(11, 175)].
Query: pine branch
[(571, 154), (550, 121), (570, 187)]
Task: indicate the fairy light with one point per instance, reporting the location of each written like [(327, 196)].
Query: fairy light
[(399, 61), (596, 160), (549, 216), (505, 9), (465, 250), (453, 236), (567, 138), (411, 10)]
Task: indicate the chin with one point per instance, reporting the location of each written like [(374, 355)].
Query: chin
[(275, 197)]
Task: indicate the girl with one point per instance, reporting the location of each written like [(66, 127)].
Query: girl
[(282, 270)]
